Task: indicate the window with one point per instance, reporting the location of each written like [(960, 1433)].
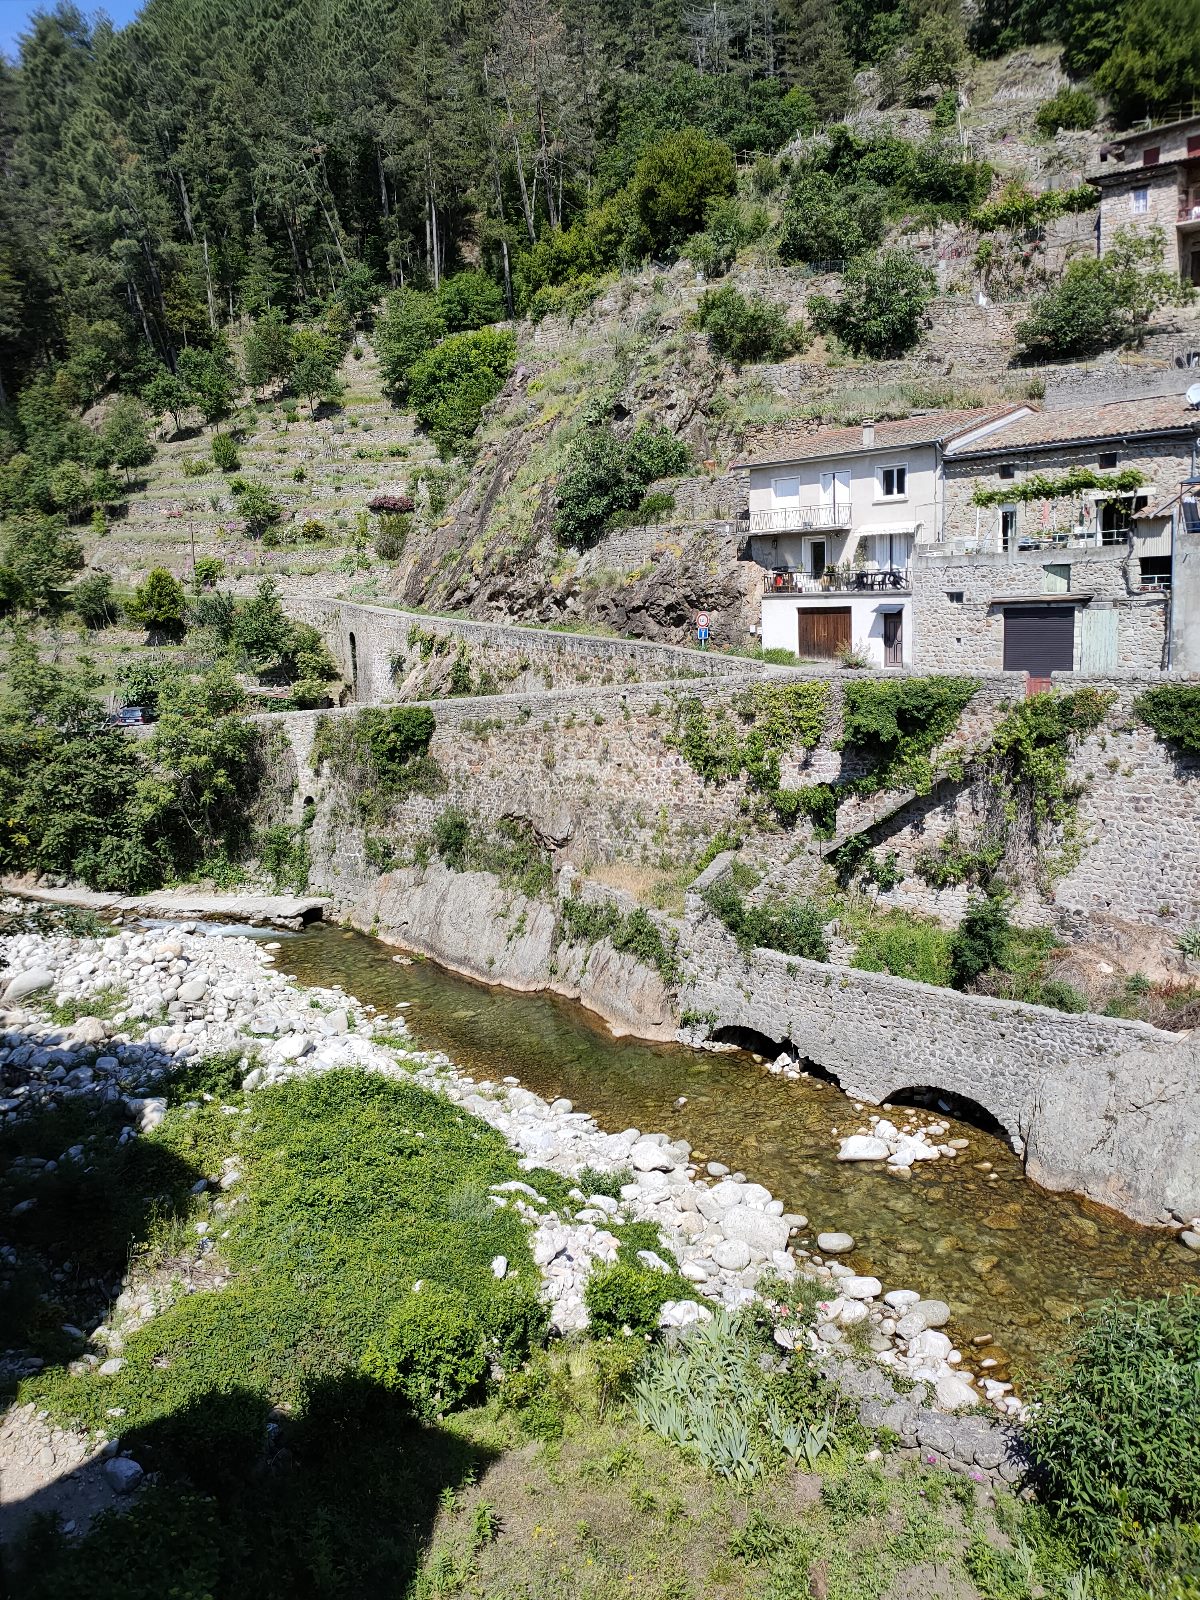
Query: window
[(1056, 577), (893, 483), (955, 596), (1008, 470), (1156, 572), (1107, 458), (1150, 155), (1008, 527), (1139, 202), (786, 488)]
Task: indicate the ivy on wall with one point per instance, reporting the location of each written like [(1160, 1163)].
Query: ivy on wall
[(1173, 711), (1040, 487), (777, 718), (382, 754)]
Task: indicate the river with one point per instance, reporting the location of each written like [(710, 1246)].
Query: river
[(1011, 1260)]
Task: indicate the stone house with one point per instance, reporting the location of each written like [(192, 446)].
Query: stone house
[(980, 541), (1056, 546), (832, 518), (1151, 178)]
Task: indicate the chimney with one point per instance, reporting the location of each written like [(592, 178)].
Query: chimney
[(868, 435)]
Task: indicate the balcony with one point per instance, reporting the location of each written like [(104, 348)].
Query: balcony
[(838, 580), (801, 519)]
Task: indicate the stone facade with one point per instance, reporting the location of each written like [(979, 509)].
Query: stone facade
[(958, 626), (1151, 179)]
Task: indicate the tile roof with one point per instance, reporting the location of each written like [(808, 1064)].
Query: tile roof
[(1117, 419), (933, 427)]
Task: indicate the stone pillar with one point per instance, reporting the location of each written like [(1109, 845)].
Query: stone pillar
[(1185, 600)]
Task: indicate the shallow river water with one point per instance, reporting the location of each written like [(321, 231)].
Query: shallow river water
[(1010, 1259)]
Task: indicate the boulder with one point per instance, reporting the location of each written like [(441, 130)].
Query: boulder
[(193, 991), (761, 1232), (646, 1156), (855, 1288), (834, 1244), (929, 1346), (27, 983), (123, 1474), (954, 1392), (862, 1147), (732, 1254)]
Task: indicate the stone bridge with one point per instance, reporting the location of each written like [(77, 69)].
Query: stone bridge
[(1098, 1105)]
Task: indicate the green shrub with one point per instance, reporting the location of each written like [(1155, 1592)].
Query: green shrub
[(158, 603), (432, 1351), (745, 329), (93, 601), (605, 475), (980, 941), (900, 722), (1063, 996), (412, 323), (621, 1295), (1069, 108), (827, 219), (449, 386), (905, 945), (1173, 711), (394, 736), (674, 181), (257, 507), (469, 300), (1099, 301), (225, 452), (1115, 1431), (795, 927), (882, 308)]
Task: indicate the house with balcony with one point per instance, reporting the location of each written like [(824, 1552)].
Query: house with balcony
[(833, 516), (1149, 178), (1058, 542)]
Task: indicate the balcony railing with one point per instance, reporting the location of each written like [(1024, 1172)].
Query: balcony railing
[(836, 580), (801, 519), (1189, 213)]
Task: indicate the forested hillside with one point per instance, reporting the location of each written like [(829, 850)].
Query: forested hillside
[(217, 158)]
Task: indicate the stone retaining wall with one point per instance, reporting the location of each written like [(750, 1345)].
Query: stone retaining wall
[(371, 646)]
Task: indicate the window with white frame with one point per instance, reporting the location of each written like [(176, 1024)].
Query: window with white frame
[(786, 491), (1139, 202), (891, 483)]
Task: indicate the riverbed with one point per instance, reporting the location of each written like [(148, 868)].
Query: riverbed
[(1013, 1261)]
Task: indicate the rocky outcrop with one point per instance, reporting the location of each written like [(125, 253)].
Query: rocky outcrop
[(474, 924)]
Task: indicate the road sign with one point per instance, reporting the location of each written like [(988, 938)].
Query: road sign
[(702, 622)]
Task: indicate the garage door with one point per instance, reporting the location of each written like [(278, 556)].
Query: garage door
[(1039, 640), (824, 634)]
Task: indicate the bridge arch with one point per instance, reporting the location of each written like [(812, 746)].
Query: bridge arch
[(963, 1108)]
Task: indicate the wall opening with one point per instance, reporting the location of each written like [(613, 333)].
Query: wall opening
[(353, 666), (761, 1044), (959, 1106)]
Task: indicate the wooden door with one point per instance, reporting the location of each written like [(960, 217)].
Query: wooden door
[(893, 638), (825, 634)]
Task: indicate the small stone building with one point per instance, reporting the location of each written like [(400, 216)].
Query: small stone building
[(1151, 178)]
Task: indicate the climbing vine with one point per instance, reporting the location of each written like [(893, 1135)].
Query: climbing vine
[(780, 717), (898, 723), (632, 933), (1040, 487), (1173, 711)]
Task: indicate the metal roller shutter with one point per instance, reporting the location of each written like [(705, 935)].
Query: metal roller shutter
[(1039, 640)]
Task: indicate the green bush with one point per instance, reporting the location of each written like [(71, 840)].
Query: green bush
[(605, 475), (980, 941), (158, 603), (225, 452), (93, 602), (674, 181), (905, 945), (257, 507), (1069, 108), (1173, 711), (1115, 1431), (412, 323), (449, 386), (469, 300), (827, 219), (622, 1295), (745, 329), (882, 307), (394, 736), (795, 927), (898, 723), (1098, 302), (432, 1351)]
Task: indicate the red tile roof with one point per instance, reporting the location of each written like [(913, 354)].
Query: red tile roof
[(934, 427), (1117, 419)]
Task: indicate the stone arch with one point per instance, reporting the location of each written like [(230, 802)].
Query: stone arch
[(962, 1107)]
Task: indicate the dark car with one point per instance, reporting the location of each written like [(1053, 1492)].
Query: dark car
[(127, 717)]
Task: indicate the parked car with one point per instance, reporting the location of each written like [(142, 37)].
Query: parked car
[(128, 717)]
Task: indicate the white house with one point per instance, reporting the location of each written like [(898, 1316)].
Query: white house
[(832, 519)]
